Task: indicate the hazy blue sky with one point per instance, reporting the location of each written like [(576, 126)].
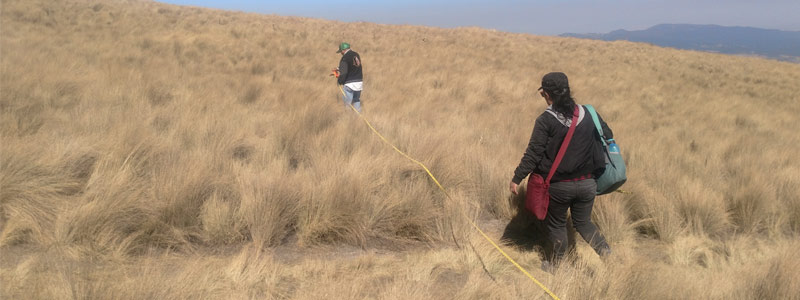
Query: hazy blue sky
[(546, 17)]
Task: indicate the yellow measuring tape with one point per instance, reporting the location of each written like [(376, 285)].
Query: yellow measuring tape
[(448, 196)]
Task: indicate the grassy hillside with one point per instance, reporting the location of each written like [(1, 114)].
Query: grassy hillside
[(152, 151)]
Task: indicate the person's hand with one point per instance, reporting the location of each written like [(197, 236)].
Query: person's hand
[(513, 187)]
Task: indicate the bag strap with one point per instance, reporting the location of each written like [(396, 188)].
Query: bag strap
[(564, 144), (596, 123), (600, 131)]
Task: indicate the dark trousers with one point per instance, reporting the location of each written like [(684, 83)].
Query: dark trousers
[(578, 197)]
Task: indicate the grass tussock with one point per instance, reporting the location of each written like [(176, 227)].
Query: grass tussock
[(158, 151)]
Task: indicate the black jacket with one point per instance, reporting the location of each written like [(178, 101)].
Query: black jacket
[(350, 68), (585, 154)]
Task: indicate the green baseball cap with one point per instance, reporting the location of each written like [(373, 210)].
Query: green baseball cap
[(343, 46)]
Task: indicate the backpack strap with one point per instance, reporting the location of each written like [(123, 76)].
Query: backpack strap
[(596, 123), (600, 131)]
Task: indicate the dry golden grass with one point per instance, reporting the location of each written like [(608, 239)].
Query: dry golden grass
[(152, 151)]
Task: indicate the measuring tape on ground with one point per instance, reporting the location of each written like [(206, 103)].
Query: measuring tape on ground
[(448, 197)]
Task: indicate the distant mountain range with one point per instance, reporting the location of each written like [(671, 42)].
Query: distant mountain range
[(771, 43)]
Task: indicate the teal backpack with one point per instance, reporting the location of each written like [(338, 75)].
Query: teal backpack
[(614, 175)]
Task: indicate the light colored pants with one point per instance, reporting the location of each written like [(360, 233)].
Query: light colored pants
[(351, 97)]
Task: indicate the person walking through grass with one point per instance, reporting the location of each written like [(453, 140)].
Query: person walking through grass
[(350, 76), (573, 185)]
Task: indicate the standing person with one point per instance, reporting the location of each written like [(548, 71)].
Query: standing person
[(350, 76), (573, 185)]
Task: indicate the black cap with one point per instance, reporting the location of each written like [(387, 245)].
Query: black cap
[(554, 81)]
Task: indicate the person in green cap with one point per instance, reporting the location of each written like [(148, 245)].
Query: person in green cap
[(349, 75)]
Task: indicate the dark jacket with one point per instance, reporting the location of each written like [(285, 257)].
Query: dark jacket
[(350, 68), (584, 156)]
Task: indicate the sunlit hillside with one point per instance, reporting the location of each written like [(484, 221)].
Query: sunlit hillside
[(151, 151)]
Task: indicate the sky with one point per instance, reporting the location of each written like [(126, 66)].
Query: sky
[(542, 17)]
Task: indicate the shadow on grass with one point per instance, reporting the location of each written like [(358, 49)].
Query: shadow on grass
[(527, 233)]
